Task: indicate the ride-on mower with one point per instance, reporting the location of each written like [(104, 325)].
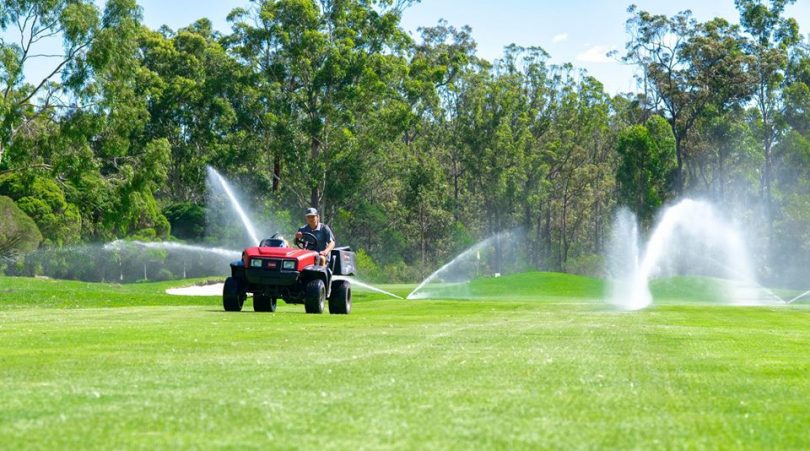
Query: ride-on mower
[(273, 271)]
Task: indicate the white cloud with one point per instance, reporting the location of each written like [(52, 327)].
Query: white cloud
[(596, 54), (560, 38)]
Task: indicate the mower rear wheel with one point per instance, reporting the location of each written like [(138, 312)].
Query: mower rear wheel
[(314, 296), (263, 303), (340, 300), (233, 295)]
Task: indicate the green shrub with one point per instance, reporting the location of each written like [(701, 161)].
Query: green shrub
[(366, 268), (187, 220), (19, 233), (44, 201)]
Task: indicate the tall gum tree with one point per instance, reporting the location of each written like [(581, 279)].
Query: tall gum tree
[(330, 64), (33, 23), (771, 39), (687, 66)]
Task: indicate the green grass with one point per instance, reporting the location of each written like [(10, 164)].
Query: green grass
[(553, 369), (537, 284), (25, 292)]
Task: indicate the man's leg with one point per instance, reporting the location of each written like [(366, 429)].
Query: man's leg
[(326, 259)]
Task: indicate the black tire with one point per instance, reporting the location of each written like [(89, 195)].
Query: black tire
[(314, 296), (263, 303), (233, 295), (340, 300)]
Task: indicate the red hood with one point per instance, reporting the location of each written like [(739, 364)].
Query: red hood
[(277, 252), (303, 256)]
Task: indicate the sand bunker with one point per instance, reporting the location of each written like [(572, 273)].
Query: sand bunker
[(197, 290)]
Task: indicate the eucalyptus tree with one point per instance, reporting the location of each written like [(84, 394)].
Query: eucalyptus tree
[(494, 128), (726, 159), (687, 66), (112, 170), (77, 122), (771, 39), (328, 67), (790, 176), (436, 76), (579, 175), (796, 95), (647, 162), (34, 22), (195, 103)]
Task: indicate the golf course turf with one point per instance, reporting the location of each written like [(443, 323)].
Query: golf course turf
[(537, 361)]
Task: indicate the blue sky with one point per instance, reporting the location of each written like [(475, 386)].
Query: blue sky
[(576, 31)]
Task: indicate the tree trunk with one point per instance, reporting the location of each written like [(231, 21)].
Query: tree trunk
[(315, 194), (456, 204), (547, 237), (527, 226), (562, 254), (422, 236), (597, 223), (679, 170), (314, 197), (766, 184), (276, 173), (492, 228), (498, 246), (721, 176)]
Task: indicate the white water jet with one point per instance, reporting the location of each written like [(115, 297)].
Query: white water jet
[(451, 278), (623, 254), (686, 233), (360, 283), (168, 245), (798, 297), (251, 231)]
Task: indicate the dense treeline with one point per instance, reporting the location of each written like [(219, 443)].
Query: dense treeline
[(412, 148)]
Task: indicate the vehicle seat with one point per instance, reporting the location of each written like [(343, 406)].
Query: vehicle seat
[(273, 242)]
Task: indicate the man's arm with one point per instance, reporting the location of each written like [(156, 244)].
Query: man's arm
[(331, 244)]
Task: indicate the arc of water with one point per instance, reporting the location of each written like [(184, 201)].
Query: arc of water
[(235, 205), (798, 297), (691, 215), (468, 252), (174, 246), (742, 278), (358, 282)]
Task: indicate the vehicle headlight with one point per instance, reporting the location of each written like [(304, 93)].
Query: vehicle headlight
[(288, 265), (256, 263)]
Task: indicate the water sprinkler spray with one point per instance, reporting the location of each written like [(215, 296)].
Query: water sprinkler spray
[(251, 231)]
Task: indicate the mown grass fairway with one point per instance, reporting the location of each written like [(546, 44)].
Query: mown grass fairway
[(554, 370)]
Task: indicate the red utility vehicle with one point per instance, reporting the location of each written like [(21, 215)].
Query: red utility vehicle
[(273, 271)]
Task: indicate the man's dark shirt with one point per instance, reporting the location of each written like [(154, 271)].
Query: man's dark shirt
[(322, 232)]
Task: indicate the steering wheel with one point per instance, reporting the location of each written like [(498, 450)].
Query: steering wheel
[(307, 241)]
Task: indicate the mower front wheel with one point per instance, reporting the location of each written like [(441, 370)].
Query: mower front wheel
[(340, 299), (263, 303), (314, 296), (233, 295)]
